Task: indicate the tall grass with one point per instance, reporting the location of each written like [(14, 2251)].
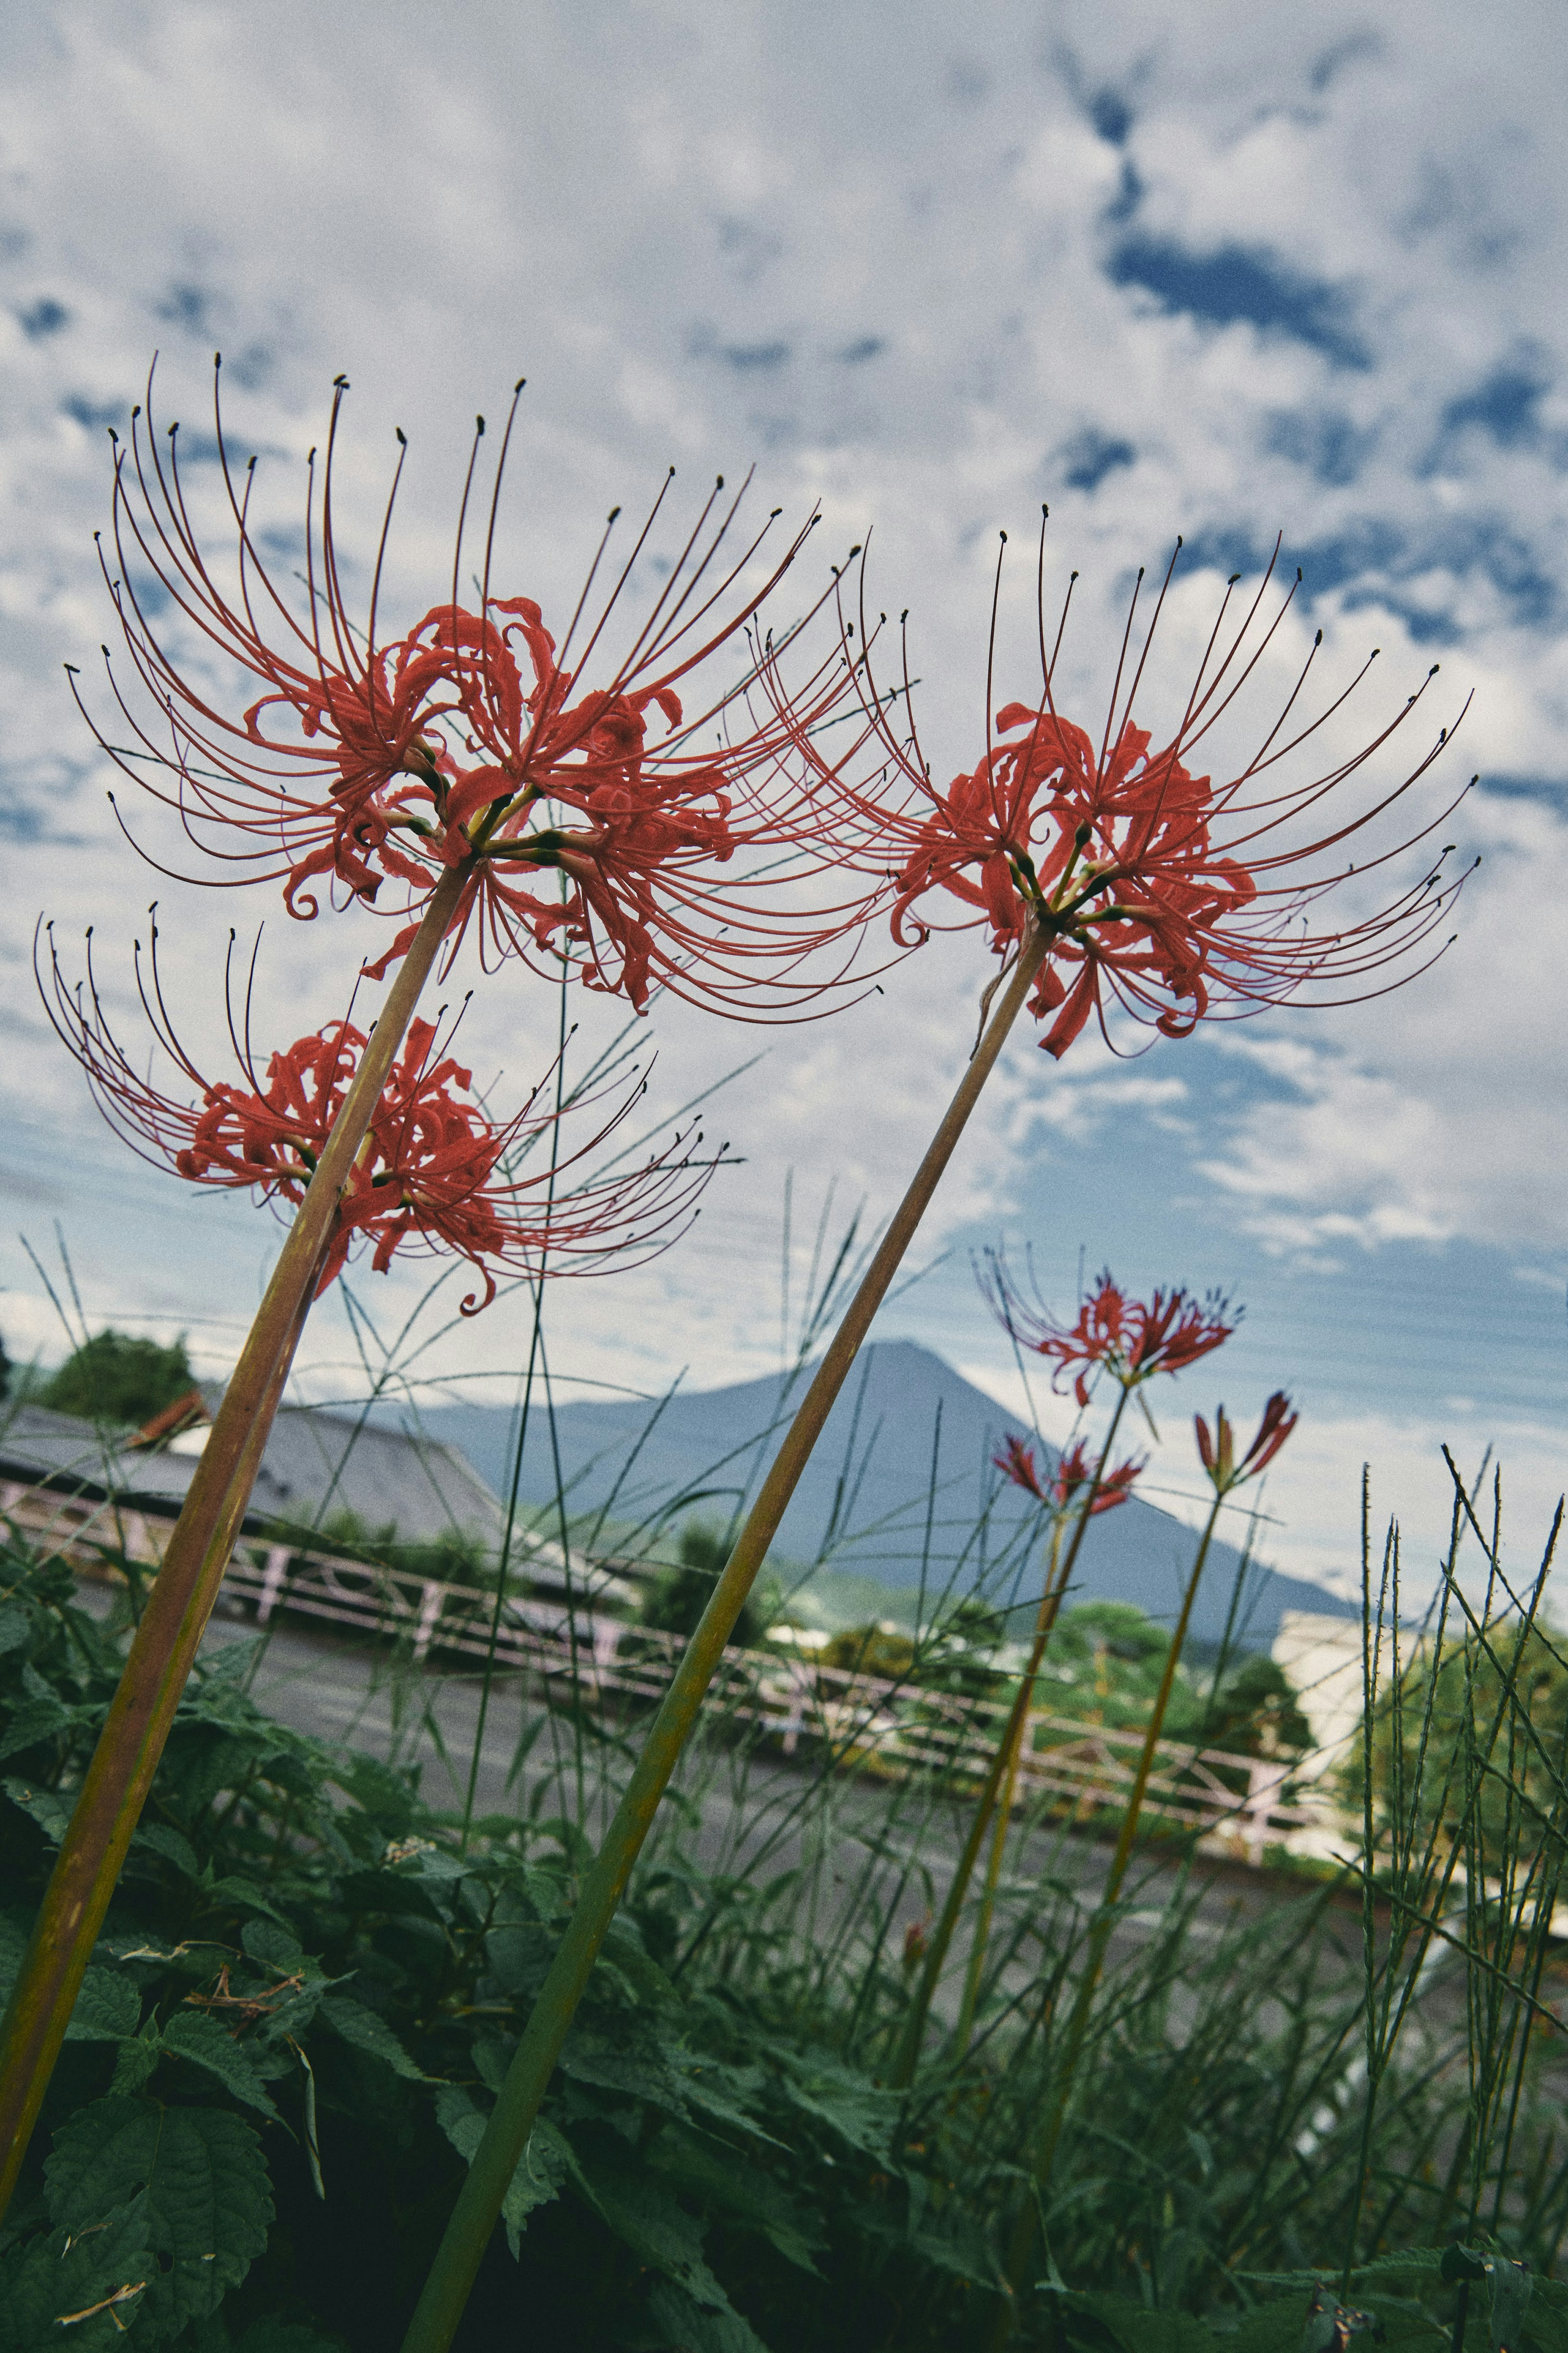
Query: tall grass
[(1272, 2077)]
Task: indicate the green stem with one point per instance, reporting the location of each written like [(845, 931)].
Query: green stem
[(1099, 1938), (1018, 1731), (160, 1656), (510, 2122), (907, 2057)]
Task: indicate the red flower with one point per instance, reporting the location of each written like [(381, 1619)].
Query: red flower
[(1073, 1472), (1175, 894), (1218, 1453), (1130, 1339), (594, 816), (434, 1171)]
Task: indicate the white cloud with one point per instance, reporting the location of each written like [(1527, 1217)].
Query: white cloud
[(683, 223)]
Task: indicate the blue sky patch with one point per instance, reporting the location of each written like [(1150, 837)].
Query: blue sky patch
[(1329, 446), (94, 415), (42, 319), (1238, 283), (1110, 115), (1090, 456), (186, 306)]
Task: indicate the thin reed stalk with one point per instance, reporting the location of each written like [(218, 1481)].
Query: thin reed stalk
[(510, 2122), (169, 1634), (907, 2057), (1014, 1738), (1023, 2241)]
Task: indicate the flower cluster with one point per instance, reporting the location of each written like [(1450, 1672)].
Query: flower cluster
[(1217, 1452), (1130, 1339), (1174, 894), (434, 1171), (597, 804), (1073, 1473)]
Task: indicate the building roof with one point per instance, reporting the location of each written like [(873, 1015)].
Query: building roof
[(317, 1462)]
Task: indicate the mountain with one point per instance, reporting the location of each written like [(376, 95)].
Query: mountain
[(864, 1501)]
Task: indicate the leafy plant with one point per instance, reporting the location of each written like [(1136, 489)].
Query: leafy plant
[(118, 1377)]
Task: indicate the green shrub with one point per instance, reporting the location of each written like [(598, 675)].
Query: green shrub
[(680, 1593), (308, 1990), (117, 1378)]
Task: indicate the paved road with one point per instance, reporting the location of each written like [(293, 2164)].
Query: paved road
[(836, 1852)]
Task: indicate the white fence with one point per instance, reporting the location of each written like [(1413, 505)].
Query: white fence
[(1236, 1804)]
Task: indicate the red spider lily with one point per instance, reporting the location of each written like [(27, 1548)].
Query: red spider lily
[(434, 1171), (1073, 1472), (1175, 895), (621, 783), (1132, 1339), (1218, 1452)]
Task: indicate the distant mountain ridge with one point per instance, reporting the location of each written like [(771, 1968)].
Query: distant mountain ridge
[(866, 1495)]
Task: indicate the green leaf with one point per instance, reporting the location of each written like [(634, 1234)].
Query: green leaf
[(38, 1720), (47, 1808), (275, 2335), (278, 1946), (543, 2166), (721, 2176), (831, 2094), (354, 2023), (243, 1895), (681, 2322), (1138, 2329), (191, 2035), (55, 2278), (1511, 2285), (207, 2201), (16, 1626), (157, 1838), (589, 2058), (108, 2008), (138, 2062), (647, 2220)]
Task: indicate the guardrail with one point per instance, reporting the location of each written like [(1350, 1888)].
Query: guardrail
[(868, 1721)]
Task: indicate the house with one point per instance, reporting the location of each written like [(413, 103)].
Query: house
[(318, 1463)]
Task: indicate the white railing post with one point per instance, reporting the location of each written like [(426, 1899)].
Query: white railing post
[(277, 1569), (1263, 1784), (429, 1610)]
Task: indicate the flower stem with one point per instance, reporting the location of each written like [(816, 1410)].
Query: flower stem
[(1013, 1746), (907, 2057), (166, 1640), (1099, 1938), (468, 2233)]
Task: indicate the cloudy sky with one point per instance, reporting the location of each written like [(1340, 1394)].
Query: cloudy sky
[(1245, 272)]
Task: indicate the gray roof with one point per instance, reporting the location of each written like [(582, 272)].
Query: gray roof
[(317, 1462)]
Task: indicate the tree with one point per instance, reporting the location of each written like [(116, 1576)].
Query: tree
[(682, 1593), (120, 1380), (1256, 1712)]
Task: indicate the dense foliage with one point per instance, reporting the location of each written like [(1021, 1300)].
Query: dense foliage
[(306, 1993), (119, 1379)]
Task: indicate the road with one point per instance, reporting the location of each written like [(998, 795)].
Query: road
[(850, 1850)]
